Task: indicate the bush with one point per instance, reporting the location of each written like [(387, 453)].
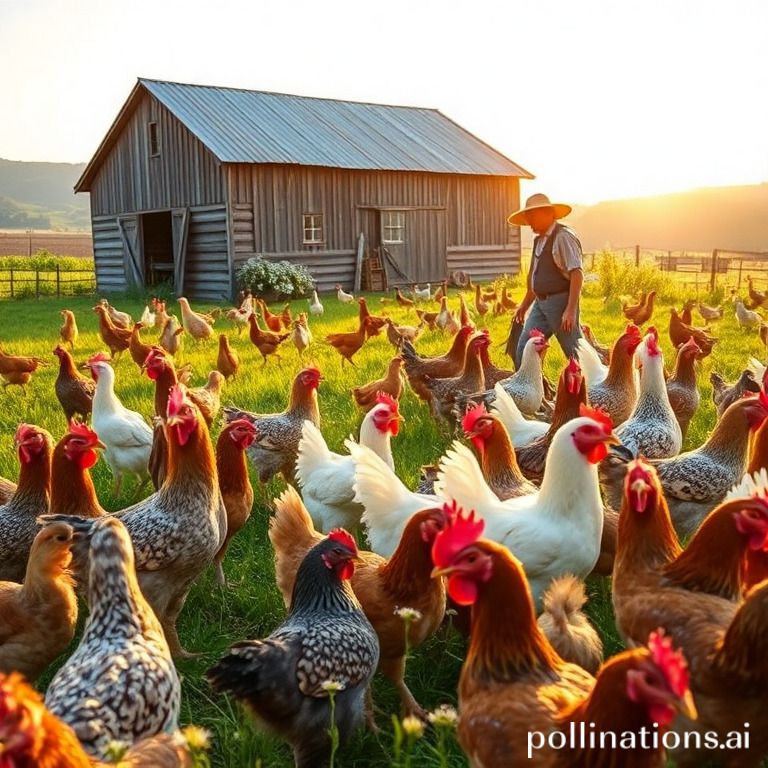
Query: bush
[(617, 276), (279, 277)]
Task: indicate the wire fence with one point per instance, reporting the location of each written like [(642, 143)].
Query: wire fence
[(37, 283)]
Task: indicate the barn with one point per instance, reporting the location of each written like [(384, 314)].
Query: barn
[(191, 181)]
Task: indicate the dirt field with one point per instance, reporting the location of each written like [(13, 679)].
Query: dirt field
[(19, 243)]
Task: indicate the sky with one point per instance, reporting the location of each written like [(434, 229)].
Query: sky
[(598, 99)]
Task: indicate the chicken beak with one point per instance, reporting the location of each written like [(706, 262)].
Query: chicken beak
[(612, 439), (100, 445), (438, 572), (686, 706)]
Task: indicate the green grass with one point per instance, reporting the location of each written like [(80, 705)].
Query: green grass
[(251, 607)]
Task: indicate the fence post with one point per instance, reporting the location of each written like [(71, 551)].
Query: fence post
[(11, 283), (713, 274), (37, 283), (637, 255), (741, 266), (58, 281)]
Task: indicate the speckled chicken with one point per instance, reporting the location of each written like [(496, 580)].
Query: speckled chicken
[(325, 638), (682, 389), (724, 394), (73, 390), (18, 516), (613, 389), (120, 684), (652, 429), (278, 434)]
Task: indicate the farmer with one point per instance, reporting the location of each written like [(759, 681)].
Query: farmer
[(554, 279)]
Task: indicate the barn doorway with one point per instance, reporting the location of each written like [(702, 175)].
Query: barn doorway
[(157, 231)]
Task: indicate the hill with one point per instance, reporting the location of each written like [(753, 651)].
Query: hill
[(697, 220), (40, 196)]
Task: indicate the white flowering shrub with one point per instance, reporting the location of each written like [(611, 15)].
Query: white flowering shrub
[(280, 277)]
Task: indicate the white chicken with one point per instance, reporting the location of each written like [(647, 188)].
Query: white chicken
[(422, 294), (558, 529), (387, 502), (315, 305), (443, 316), (652, 429), (170, 337), (746, 318), (521, 431), (756, 368), (148, 319), (327, 478), (127, 437), (343, 296), (301, 336), (120, 319)]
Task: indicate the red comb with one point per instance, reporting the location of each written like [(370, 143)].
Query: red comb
[(632, 330), (600, 416), (384, 398), (573, 366), (652, 344), (460, 531), (82, 430), (472, 416), (99, 357), (535, 333), (175, 399), (344, 538), (670, 662)]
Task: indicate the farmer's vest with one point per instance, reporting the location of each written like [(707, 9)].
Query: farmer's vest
[(548, 278)]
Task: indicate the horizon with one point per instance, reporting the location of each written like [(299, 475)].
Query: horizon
[(622, 119)]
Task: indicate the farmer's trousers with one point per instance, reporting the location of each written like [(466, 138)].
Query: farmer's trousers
[(547, 315)]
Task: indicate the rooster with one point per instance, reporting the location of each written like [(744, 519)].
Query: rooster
[(513, 683), (325, 638), (68, 331), (391, 384), (18, 517), (234, 483), (682, 390), (227, 361), (381, 586), (558, 529), (116, 338), (695, 481), (326, 478), (73, 391), (652, 428), (198, 326), (724, 394), (613, 389), (38, 617), (127, 437), (278, 434), (521, 431), (120, 684)]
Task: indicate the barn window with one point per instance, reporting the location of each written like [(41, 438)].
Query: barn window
[(393, 226), (313, 228), (154, 140)]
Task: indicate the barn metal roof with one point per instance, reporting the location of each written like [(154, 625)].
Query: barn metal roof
[(242, 126)]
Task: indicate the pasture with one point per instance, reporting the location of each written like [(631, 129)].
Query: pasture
[(251, 607)]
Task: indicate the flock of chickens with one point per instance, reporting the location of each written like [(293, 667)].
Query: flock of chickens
[(562, 480)]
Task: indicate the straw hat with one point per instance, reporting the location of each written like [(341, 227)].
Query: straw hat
[(538, 201)]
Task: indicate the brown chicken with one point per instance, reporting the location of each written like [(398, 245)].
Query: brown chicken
[(349, 344), (481, 305), (7, 489), (695, 595), (417, 368), (228, 361), (18, 517), (68, 331), (430, 318), (382, 586), (391, 383), (208, 397), (14, 368), (441, 292), (170, 335), (73, 390), (138, 349), (118, 318), (680, 332), (642, 312), (513, 683), (278, 434), (271, 320), (196, 324), (285, 317), (17, 378), (234, 483), (375, 324), (497, 455), (682, 388), (38, 617), (117, 339), (464, 316), (724, 394), (31, 736), (266, 342), (444, 392), (686, 315), (491, 372), (403, 301), (756, 298), (506, 301)]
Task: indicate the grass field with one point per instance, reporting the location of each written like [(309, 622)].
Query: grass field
[(251, 607)]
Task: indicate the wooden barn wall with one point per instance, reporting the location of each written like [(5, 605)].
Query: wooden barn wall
[(207, 272), (108, 255), (267, 203), (184, 174)]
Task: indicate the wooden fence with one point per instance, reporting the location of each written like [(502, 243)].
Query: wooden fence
[(29, 283)]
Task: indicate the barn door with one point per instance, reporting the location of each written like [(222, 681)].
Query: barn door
[(133, 263), (394, 246), (427, 245), (179, 227)]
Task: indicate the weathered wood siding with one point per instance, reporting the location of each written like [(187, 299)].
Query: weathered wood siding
[(455, 222), (184, 174), (108, 255), (207, 272)]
